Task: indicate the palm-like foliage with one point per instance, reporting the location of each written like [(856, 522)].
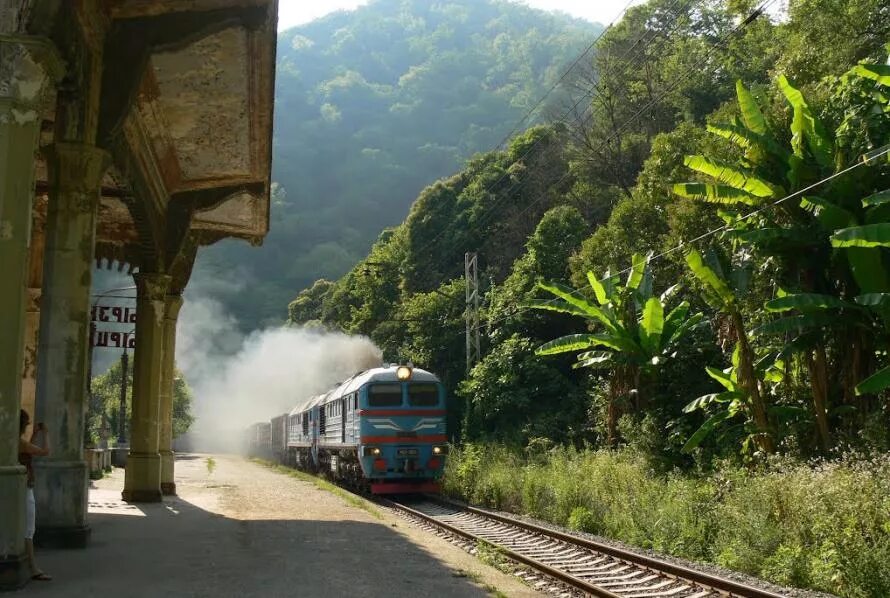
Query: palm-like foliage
[(722, 285), (821, 318), (632, 330)]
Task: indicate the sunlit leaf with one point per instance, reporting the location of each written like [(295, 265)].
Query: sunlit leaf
[(730, 175), (870, 235), (874, 383), (751, 114), (652, 325), (570, 296), (876, 72), (708, 277), (720, 194)]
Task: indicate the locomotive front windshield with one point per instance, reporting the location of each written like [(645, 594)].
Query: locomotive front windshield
[(423, 395), (385, 395)]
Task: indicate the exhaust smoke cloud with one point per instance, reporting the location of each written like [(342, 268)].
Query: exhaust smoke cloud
[(239, 380)]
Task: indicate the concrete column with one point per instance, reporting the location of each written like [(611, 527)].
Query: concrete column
[(171, 313), (34, 287), (142, 481), (75, 173), (28, 70)]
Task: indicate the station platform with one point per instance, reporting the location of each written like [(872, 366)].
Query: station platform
[(238, 528)]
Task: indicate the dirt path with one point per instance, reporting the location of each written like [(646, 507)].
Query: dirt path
[(243, 529)]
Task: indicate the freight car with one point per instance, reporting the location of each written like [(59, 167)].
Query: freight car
[(383, 429)]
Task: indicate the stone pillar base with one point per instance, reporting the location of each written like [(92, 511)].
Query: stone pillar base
[(168, 488), (142, 480), (14, 572), (63, 537), (62, 492)]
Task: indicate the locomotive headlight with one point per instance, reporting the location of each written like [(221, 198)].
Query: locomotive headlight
[(440, 450), (403, 373), (372, 451)]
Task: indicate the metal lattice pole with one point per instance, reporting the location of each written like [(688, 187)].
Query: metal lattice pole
[(471, 274)]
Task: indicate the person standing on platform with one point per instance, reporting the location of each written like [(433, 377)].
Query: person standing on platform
[(28, 449)]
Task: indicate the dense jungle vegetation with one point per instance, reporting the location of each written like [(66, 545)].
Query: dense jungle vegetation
[(372, 105), (686, 286)]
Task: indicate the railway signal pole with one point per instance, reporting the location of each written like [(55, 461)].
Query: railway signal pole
[(471, 274)]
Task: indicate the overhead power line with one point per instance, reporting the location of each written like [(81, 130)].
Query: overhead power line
[(865, 159)]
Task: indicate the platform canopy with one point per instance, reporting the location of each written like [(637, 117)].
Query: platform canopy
[(185, 110)]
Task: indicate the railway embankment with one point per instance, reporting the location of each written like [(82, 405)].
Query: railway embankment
[(822, 527)]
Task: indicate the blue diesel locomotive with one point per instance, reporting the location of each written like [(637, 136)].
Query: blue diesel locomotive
[(383, 428)]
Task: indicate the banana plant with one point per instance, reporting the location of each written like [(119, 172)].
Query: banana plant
[(722, 286), (795, 234), (733, 402), (633, 331)]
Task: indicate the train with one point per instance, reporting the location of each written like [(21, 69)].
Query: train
[(383, 430)]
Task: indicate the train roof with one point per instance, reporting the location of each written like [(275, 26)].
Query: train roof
[(381, 374)]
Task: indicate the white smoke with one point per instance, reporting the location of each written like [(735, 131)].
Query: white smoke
[(238, 380)]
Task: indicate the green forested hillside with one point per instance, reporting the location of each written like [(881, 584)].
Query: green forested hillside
[(685, 295), (371, 106)]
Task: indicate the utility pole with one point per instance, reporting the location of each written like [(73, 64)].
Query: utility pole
[(471, 274)]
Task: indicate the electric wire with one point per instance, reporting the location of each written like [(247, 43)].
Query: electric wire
[(866, 158)]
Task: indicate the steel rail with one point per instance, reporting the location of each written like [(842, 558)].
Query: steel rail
[(679, 573), (733, 588), (561, 576)]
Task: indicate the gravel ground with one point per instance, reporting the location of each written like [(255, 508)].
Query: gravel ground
[(241, 529), (703, 567)]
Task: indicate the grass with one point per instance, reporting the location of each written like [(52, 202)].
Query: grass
[(325, 485), (823, 526), (477, 579)]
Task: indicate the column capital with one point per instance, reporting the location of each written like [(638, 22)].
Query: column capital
[(152, 286), (77, 168), (30, 67), (172, 305)]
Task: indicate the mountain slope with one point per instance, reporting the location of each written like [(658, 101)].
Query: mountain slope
[(373, 105)]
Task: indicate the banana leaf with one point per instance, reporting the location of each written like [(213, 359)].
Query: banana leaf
[(568, 294), (724, 378), (806, 127), (870, 235), (749, 140), (751, 114), (709, 278), (715, 397), (867, 266), (831, 216), (730, 175), (577, 342), (879, 73), (874, 300), (795, 324), (874, 383), (637, 269), (877, 199), (719, 194), (684, 328), (705, 429), (652, 325), (806, 301), (598, 289)]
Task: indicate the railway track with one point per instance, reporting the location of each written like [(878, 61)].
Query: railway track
[(573, 562)]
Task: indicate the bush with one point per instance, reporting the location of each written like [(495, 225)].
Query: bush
[(823, 526)]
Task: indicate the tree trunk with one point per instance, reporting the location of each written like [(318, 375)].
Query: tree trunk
[(818, 368), (748, 381)]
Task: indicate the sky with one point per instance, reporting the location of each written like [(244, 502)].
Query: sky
[(296, 12)]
